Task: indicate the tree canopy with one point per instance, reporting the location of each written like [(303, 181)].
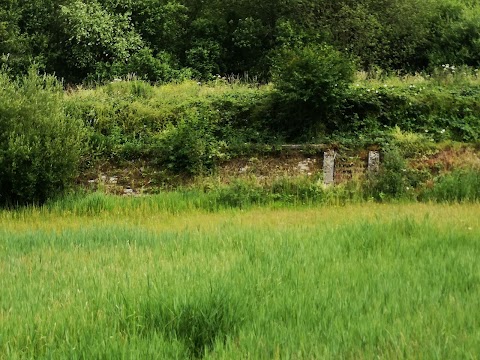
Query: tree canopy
[(160, 40)]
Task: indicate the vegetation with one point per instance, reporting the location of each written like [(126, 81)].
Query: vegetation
[(187, 129), (161, 40), (185, 85), (355, 281), (39, 144), (256, 266), (312, 83)]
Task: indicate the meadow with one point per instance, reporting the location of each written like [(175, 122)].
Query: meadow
[(136, 278)]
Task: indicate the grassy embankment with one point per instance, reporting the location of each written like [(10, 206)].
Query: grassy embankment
[(134, 279), (180, 131)]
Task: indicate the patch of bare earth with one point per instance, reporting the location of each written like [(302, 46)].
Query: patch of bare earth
[(449, 159)]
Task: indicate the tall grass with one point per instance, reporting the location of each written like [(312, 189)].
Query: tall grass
[(458, 186), (358, 281)]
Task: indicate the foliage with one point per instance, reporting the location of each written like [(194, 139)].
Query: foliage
[(438, 112), (396, 178), (94, 36), (391, 182), (190, 147), (15, 51), (40, 147), (96, 39), (162, 25), (311, 84), (183, 127), (131, 119)]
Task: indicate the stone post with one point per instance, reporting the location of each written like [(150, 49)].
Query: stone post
[(373, 161), (329, 167)]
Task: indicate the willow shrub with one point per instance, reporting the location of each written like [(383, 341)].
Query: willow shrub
[(40, 147)]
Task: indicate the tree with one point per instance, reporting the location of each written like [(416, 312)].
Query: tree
[(91, 36), (15, 52)]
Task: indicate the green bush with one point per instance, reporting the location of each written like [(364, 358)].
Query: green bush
[(311, 83), (144, 65), (190, 147), (40, 147)]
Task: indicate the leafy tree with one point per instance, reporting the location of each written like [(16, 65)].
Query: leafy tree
[(93, 35), (162, 25), (14, 47), (95, 39), (454, 35), (205, 53)]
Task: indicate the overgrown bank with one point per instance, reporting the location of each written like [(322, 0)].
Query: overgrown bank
[(186, 130)]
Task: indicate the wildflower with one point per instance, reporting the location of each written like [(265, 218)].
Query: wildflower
[(443, 131)]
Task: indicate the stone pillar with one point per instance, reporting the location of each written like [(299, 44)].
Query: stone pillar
[(329, 167), (373, 161)]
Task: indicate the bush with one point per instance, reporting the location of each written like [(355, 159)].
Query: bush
[(191, 147), (183, 127), (311, 83), (40, 147)]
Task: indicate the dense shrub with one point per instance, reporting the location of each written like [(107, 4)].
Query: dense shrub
[(311, 83), (40, 146), (189, 127), (391, 181), (191, 146)]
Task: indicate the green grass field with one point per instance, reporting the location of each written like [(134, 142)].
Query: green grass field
[(131, 280)]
